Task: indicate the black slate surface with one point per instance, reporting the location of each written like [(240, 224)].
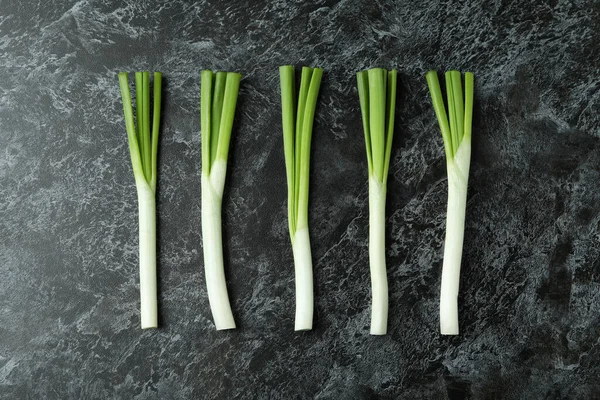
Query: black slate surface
[(530, 285)]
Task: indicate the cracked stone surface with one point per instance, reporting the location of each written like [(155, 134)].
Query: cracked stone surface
[(530, 283)]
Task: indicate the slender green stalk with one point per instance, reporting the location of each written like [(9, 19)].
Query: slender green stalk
[(218, 101), (143, 149), (206, 91), (363, 95), (220, 79), (232, 86), (288, 96), (155, 126), (304, 149), (304, 87), (147, 149), (456, 134), (440, 111), (297, 121), (377, 111), (390, 118), (377, 95)]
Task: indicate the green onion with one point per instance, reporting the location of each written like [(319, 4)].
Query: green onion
[(143, 147), (297, 118), (377, 94), (217, 108), (456, 133)]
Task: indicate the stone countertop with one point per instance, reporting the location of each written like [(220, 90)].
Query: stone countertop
[(530, 283)]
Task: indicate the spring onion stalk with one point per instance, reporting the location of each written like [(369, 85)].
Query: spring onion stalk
[(456, 133), (217, 108), (377, 95), (297, 118), (143, 148)]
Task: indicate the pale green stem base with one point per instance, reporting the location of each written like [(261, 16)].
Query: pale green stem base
[(304, 280), (147, 248), (379, 283), (458, 175), (212, 189)]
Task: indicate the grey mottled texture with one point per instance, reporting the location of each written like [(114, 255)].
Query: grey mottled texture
[(530, 287)]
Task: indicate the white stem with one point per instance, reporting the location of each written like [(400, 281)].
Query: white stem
[(212, 193), (458, 175), (147, 247), (304, 280), (379, 283)]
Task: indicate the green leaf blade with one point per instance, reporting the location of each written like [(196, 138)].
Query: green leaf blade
[(440, 111), (220, 81), (469, 94), (459, 110), (377, 111), (134, 151), (156, 124), (307, 126), (451, 112), (392, 82), (230, 95), (362, 78), (305, 79), (146, 147), (205, 117), (288, 85), (139, 107)]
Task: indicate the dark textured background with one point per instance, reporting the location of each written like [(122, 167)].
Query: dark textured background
[(530, 286)]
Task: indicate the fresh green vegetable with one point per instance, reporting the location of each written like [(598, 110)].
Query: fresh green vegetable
[(456, 133), (377, 94), (143, 147), (217, 108), (297, 117)]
